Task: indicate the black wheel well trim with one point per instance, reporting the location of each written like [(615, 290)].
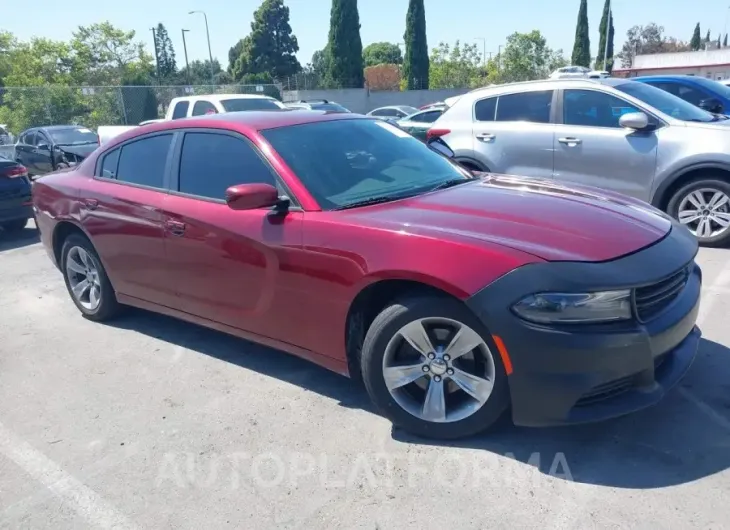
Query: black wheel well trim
[(472, 161), (369, 302), (663, 194)]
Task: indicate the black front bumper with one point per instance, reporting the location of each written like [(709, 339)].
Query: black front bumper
[(580, 373)]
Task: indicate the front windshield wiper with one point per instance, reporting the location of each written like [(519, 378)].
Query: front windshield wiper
[(371, 201), (449, 183)]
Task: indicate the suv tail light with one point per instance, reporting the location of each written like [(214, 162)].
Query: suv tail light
[(436, 133), (15, 172)]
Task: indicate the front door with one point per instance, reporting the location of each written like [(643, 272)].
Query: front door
[(232, 267), (591, 148), (513, 133), (43, 154), (121, 210)]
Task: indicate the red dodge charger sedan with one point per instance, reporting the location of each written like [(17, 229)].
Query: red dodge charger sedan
[(344, 240)]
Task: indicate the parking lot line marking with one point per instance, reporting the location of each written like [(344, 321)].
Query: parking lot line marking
[(715, 416), (82, 499)]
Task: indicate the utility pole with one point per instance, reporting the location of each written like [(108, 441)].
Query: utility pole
[(207, 34), (185, 48), (157, 55), (608, 34), (484, 49)]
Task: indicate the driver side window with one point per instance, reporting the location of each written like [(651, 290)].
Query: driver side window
[(588, 108), (202, 108)]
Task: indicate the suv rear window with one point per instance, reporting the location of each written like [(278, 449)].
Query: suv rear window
[(525, 106), (243, 104)]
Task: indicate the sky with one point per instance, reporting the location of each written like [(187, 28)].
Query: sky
[(486, 23)]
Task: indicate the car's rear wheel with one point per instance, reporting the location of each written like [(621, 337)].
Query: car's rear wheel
[(429, 366), (14, 226), (86, 279), (703, 206)]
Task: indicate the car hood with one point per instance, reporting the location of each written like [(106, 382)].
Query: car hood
[(79, 150), (711, 125), (547, 220)]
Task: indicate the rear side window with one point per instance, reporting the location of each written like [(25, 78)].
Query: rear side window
[(143, 162), (427, 117), (485, 108), (203, 107), (533, 107), (109, 165), (211, 163), (180, 110)]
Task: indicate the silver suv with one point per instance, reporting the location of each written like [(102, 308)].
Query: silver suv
[(610, 133)]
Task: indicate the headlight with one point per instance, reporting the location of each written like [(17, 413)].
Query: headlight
[(575, 308)]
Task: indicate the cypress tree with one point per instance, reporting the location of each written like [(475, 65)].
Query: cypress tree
[(718, 40), (344, 65), (696, 42), (416, 63), (724, 42), (582, 47), (605, 31), (707, 37)]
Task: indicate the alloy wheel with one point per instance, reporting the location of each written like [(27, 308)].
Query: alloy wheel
[(705, 212), (83, 278), (439, 370)]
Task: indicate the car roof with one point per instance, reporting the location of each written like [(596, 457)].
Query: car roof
[(669, 76), (220, 97)]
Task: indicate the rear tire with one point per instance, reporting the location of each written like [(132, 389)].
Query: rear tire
[(80, 263), (14, 226), (405, 384), (703, 206)]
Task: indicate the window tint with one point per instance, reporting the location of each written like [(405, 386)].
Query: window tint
[(211, 163), (484, 109), (243, 104), (143, 162), (427, 117), (180, 110), (692, 95), (42, 139), (594, 109), (526, 106), (109, 165), (203, 107), (30, 138)]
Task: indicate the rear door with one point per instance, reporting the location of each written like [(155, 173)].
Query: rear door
[(513, 133), (121, 210), (24, 151), (43, 153), (591, 148), (232, 267)]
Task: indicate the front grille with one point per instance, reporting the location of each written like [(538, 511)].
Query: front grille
[(606, 391), (652, 299)]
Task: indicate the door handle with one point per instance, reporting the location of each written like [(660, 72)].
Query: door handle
[(91, 204), (485, 137), (570, 141), (176, 228)]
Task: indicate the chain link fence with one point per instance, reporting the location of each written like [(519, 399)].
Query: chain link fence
[(91, 106)]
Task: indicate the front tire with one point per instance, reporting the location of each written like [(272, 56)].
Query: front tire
[(14, 226), (430, 366), (87, 281), (703, 206)]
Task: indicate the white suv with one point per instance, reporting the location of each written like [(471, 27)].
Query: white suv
[(185, 107)]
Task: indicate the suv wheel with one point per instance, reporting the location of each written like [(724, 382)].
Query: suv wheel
[(429, 366), (703, 206)]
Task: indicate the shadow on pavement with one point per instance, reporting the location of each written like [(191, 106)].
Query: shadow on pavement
[(12, 240), (682, 439)]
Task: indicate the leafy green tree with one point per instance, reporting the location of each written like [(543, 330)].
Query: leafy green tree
[(455, 66), (165, 53), (526, 57), (582, 46), (605, 31), (251, 82), (416, 64), (200, 72), (696, 42), (382, 53), (649, 39), (234, 53), (344, 46), (271, 47)]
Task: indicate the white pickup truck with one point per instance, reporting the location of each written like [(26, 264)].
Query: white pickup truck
[(189, 106)]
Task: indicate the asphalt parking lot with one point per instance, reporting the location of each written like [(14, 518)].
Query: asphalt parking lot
[(152, 423)]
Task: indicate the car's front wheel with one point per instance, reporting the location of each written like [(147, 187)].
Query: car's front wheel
[(430, 366), (703, 206), (86, 279)]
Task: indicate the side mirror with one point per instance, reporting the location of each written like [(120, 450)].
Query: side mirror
[(251, 196), (634, 120), (441, 147), (712, 105)]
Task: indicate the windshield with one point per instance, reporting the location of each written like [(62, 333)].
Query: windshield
[(73, 136), (408, 110), (665, 102), (243, 104), (344, 162), (718, 88), (331, 107)]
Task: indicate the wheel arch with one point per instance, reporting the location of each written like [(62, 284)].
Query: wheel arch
[(664, 192), (470, 161), (373, 297)]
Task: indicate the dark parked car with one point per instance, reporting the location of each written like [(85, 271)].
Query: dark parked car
[(316, 104), (344, 240), (704, 93), (46, 149), (15, 200)]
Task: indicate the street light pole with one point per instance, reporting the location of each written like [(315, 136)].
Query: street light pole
[(608, 34), (207, 34), (187, 65)]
